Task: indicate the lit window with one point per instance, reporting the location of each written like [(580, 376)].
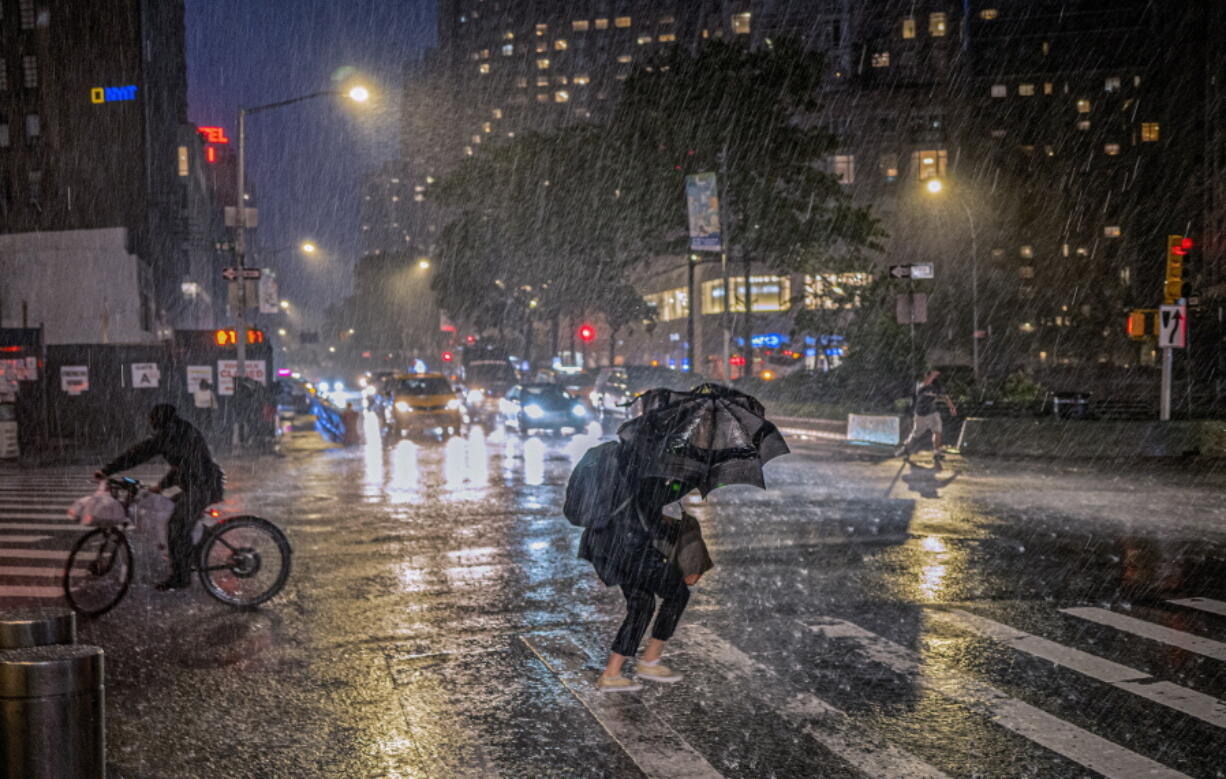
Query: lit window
[(624, 58), (542, 97), (889, 167), (602, 24), (770, 293), (936, 24), (34, 129), (561, 96), (541, 29), (1111, 84), (521, 82), (26, 9), (542, 81), (580, 25), (1046, 48), (622, 21), (1026, 251), (476, 139), (642, 39), (508, 36), (508, 49), (559, 80), (1112, 231), (560, 44), (542, 63), (1149, 131), (1111, 149), (1083, 125), (487, 127), (1000, 90), (1136, 81), (666, 37), (908, 27), (1025, 90), (843, 166), (881, 59), (484, 67), (1047, 87), (29, 71), (542, 47), (929, 164), (1026, 271), (740, 23), (1083, 106), (468, 152), (581, 80), (988, 14), (485, 54), (1126, 274)]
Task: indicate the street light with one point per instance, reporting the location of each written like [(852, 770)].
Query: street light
[(359, 94), (285, 305), (308, 247), (936, 186), (423, 263)]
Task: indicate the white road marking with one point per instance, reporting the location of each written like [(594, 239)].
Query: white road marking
[(35, 554), (657, 749), (52, 526), (1139, 627), (1204, 604), (1181, 699), (32, 571), (18, 591), (824, 723), (22, 539), (1065, 739), (57, 517)]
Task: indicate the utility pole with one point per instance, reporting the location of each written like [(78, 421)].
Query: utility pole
[(726, 241), (689, 319), (240, 250)]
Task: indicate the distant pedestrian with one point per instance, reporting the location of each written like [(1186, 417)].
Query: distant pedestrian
[(206, 403), (926, 417), (351, 422)]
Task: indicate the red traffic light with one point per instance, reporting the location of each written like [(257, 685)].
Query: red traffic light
[(587, 333), (448, 356), (1184, 246)]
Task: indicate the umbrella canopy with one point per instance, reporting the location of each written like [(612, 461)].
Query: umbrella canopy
[(709, 437)]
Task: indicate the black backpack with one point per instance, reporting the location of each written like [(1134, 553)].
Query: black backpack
[(597, 489)]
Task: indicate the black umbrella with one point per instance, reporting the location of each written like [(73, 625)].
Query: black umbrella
[(709, 437)]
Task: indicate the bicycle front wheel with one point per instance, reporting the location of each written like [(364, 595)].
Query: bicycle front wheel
[(244, 561), (99, 571)]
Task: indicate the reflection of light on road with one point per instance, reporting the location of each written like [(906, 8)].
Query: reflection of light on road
[(372, 455), (581, 442), (405, 477), (932, 575), (534, 461), (466, 464), (412, 579)]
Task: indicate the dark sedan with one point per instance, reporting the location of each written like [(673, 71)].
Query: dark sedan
[(529, 407)]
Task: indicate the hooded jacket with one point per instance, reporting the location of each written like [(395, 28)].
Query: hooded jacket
[(184, 448)]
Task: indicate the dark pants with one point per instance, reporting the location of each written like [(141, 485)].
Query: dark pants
[(661, 580), (189, 506)]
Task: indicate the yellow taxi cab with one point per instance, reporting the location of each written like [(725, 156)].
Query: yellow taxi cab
[(423, 403)]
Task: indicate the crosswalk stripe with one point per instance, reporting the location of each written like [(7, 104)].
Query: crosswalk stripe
[(1204, 604), (35, 554), (30, 591), (1138, 627), (1051, 732), (657, 749), (36, 572), (22, 539), (1174, 696), (826, 724), (58, 517), (53, 526)]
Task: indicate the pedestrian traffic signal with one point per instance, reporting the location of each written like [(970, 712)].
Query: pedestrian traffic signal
[(1177, 248), (229, 337), (586, 333), (1141, 323)]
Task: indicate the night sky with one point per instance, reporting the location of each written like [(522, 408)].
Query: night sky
[(306, 162)]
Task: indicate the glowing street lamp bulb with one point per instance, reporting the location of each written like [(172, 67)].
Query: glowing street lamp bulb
[(423, 263), (309, 247), (359, 94), (285, 304), (281, 331), (935, 186)]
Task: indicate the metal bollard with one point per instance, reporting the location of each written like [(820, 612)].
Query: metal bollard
[(37, 626), (52, 719)]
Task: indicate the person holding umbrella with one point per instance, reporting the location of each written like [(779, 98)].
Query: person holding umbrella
[(679, 441)]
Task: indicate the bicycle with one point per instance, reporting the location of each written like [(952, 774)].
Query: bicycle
[(230, 557)]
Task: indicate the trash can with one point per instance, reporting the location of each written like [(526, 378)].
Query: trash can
[(1071, 405), (37, 626), (52, 720)]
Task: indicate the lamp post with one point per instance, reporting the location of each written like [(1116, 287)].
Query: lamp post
[(358, 94), (936, 187)]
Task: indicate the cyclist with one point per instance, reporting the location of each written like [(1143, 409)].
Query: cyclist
[(192, 469)]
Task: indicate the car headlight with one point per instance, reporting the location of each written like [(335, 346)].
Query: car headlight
[(453, 404), (338, 386), (534, 412), (578, 410), (594, 397), (403, 406), (475, 396), (368, 390)]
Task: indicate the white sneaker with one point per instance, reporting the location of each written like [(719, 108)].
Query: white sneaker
[(657, 673), (616, 684)]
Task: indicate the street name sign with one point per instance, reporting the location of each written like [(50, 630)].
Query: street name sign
[(922, 271), (232, 273), (1172, 327)]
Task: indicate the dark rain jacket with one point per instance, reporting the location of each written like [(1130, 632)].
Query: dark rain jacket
[(625, 550), (182, 446)]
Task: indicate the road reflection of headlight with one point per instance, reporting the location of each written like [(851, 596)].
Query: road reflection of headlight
[(595, 398), (578, 410), (403, 406), (475, 396), (534, 412), (453, 404)]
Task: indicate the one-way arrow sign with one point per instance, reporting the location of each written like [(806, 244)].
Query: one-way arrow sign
[(232, 273), (900, 271), (1172, 327)]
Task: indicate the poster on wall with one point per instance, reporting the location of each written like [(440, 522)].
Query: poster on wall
[(74, 379), (197, 374), (228, 369), (145, 375)]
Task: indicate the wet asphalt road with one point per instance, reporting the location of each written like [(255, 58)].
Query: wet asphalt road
[(992, 618)]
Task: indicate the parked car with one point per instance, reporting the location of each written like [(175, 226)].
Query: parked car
[(423, 403), (528, 407)]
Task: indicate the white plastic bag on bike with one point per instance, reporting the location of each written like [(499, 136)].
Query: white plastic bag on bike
[(98, 509)]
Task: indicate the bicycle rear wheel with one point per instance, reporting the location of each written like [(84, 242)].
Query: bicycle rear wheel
[(99, 571), (244, 561)]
